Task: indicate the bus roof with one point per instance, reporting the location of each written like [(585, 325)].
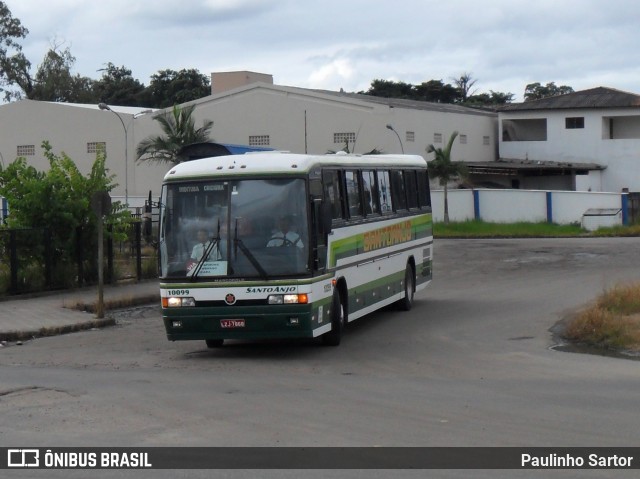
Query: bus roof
[(276, 162)]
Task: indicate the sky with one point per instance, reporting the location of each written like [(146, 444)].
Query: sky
[(332, 44)]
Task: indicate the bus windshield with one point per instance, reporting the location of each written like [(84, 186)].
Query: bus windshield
[(246, 228)]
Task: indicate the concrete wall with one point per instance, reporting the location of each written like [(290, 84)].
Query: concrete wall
[(305, 121), (534, 206)]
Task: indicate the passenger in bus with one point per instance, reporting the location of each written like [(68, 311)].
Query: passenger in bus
[(283, 236), (204, 244)]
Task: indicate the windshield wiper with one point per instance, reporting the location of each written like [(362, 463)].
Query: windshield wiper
[(205, 254), (237, 243)]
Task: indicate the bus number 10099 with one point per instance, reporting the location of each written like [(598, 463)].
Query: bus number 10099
[(178, 292)]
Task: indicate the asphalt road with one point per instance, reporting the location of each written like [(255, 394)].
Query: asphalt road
[(471, 365)]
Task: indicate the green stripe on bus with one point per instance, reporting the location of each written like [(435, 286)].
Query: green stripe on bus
[(421, 227), (375, 291)]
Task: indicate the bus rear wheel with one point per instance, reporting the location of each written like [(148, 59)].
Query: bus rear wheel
[(406, 303), (338, 320), (214, 343)]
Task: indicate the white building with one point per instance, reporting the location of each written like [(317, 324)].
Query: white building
[(77, 131), (587, 140), (254, 112)]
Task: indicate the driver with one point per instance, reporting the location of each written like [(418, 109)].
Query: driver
[(283, 235), (202, 245)]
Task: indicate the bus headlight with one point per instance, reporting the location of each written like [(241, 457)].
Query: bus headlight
[(176, 302), (275, 299), (288, 299)]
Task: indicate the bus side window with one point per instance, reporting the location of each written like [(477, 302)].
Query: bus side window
[(370, 189), (424, 194), (354, 202), (384, 190), (412, 189), (333, 192), (397, 190)]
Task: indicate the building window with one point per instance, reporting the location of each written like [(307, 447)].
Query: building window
[(259, 140), (411, 136), (530, 129), (573, 123), (437, 137), (342, 138), (463, 139), (486, 140), (95, 146), (26, 150)]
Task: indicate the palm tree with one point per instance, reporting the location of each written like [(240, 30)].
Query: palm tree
[(445, 170), (179, 131)]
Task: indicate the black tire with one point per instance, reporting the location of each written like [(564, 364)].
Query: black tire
[(214, 343), (406, 303), (338, 320)]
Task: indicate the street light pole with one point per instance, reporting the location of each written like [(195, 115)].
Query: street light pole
[(104, 106), (389, 127)]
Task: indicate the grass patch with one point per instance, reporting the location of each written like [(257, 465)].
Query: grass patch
[(482, 229), (612, 322), (632, 230)]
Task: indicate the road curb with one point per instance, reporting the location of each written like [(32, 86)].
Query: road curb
[(56, 330)]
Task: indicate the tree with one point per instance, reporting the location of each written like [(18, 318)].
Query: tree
[(118, 87), (55, 82), (464, 84), (179, 130), (535, 91), (59, 200), (444, 169), (437, 91), (391, 89), (492, 98), (168, 87), (12, 61)]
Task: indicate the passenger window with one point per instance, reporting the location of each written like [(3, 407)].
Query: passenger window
[(397, 190), (384, 190), (424, 195), (412, 189), (370, 189), (354, 202), (332, 192)]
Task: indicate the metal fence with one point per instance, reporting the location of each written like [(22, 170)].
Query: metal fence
[(28, 264)]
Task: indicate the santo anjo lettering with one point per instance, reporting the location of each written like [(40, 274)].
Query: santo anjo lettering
[(273, 289), (388, 236)]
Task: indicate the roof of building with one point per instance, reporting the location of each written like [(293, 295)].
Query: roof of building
[(352, 98), (412, 104), (600, 97), (130, 110), (511, 166)]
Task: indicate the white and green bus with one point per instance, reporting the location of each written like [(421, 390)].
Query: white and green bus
[(279, 245)]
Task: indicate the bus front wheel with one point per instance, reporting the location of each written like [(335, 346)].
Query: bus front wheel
[(214, 343), (338, 319)]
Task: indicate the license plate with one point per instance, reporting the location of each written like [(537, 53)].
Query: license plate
[(231, 323)]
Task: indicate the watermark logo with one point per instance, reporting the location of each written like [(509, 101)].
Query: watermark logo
[(23, 458)]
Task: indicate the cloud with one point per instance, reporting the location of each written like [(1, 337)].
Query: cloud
[(334, 44), (331, 74)]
